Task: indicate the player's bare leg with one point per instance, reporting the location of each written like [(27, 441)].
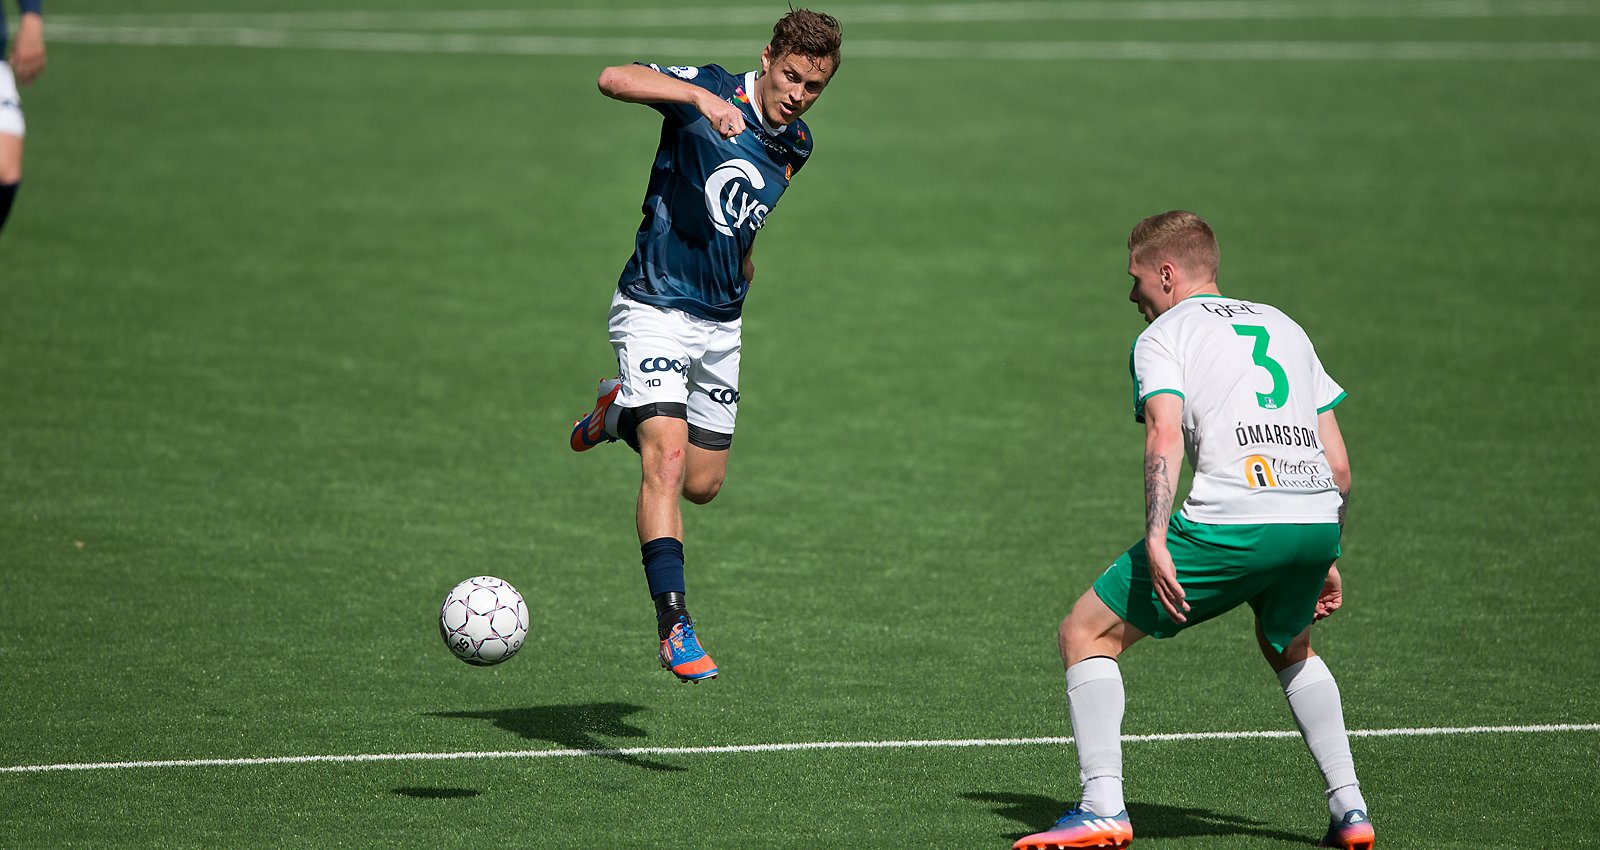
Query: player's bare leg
[(1314, 701), (10, 172), (664, 462), (703, 478)]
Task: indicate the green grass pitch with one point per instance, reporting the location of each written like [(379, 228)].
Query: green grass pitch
[(291, 336)]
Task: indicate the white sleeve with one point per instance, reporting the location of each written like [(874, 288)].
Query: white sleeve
[(1155, 370)]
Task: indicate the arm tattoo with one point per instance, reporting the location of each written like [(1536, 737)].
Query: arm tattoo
[(1344, 503), (1157, 493)]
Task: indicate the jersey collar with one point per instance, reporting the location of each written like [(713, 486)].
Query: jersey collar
[(750, 88)]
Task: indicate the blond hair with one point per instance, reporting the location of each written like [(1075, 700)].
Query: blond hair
[(1179, 237)]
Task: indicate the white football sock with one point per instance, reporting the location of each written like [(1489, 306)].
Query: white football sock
[(1095, 701), (612, 417), (1314, 702)]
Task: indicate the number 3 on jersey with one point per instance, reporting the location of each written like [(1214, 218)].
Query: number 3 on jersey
[(1280, 381)]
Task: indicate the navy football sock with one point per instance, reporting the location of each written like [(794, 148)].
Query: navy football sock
[(8, 193), (663, 570)]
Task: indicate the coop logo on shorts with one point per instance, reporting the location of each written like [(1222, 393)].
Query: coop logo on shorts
[(730, 196), (724, 395), (662, 364)]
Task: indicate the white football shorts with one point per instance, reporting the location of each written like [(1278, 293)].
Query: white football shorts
[(666, 355), (11, 122)]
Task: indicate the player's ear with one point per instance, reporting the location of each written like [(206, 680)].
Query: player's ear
[(1166, 277), (766, 59)]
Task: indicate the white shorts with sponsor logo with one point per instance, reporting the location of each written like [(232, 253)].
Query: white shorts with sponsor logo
[(11, 122), (666, 355)]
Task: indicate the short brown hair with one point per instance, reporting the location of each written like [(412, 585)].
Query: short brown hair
[(1179, 237), (803, 32)]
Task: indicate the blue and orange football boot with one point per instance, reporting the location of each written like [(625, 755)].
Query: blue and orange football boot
[(681, 653), (590, 431), (1080, 827), (1352, 833)]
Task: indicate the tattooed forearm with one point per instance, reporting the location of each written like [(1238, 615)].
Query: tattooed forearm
[(1344, 503), (1158, 492)]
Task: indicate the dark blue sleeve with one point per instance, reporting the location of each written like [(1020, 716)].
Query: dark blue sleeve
[(35, 6), (711, 78)]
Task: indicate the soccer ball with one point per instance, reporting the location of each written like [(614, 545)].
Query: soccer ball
[(483, 620)]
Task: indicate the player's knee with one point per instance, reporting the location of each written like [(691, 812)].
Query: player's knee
[(663, 467), (701, 491)]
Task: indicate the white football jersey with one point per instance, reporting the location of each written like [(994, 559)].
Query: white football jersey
[(1252, 387)]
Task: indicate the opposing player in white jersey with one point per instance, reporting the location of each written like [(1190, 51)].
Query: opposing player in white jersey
[(1238, 387)]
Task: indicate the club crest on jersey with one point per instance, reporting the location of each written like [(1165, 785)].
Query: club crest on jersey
[(686, 72), (730, 197)]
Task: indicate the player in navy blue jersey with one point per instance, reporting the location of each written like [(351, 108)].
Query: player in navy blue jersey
[(730, 144), (26, 63)]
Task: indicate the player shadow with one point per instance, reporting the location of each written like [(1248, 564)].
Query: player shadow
[(1150, 820), (436, 793), (572, 727)]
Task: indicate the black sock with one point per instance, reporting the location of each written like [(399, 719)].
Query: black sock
[(8, 193), (669, 609)]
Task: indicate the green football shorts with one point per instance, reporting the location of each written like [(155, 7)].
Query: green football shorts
[(1277, 568)]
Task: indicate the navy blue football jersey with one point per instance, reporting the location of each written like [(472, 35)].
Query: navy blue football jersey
[(708, 196)]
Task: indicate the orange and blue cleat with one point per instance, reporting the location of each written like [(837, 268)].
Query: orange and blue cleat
[(590, 431), (1080, 827), (1352, 833), (681, 653)]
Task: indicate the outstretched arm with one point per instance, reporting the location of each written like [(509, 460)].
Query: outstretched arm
[(1163, 461), (643, 84)]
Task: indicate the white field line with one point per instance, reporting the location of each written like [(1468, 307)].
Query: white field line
[(534, 45), (784, 747), (914, 13)]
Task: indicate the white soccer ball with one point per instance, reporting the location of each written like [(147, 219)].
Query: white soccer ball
[(483, 620)]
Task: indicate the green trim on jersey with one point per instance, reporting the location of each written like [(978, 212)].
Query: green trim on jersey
[(1332, 404), (1277, 568), (1151, 395)]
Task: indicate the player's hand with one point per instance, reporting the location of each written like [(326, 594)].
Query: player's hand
[(725, 118), (27, 52), (1164, 575), (1332, 595)]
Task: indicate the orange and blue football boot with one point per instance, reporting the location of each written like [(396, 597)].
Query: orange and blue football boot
[(590, 431), (1352, 833), (1080, 827), (681, 653)]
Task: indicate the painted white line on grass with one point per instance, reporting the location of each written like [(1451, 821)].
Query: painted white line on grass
[(885, 13), (1047, 51), (785, 747)]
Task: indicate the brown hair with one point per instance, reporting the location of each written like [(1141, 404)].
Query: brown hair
[(1179, 237), (803, 32)]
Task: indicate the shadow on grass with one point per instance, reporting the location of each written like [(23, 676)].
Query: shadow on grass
[(1150, 820), (436, 793), (572, 727)]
